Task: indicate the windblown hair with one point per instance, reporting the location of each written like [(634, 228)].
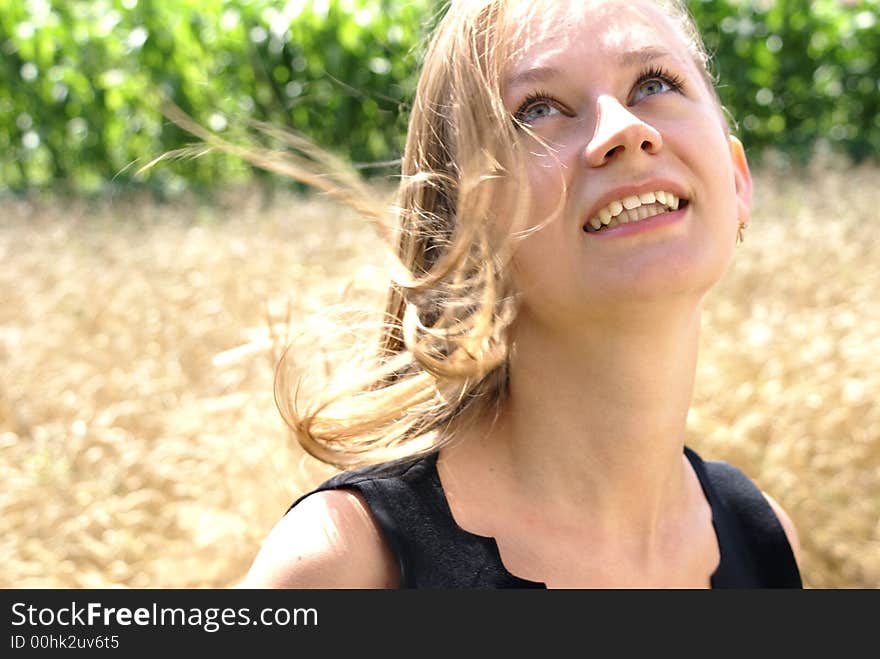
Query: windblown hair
[(442, 352)]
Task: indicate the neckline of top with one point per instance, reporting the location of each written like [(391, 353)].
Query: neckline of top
[(443, 503)]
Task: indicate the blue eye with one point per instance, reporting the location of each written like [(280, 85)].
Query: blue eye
[(653, 86), (535, 107), (655, 81)]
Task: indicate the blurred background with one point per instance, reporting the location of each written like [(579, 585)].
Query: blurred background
[(143, 312)]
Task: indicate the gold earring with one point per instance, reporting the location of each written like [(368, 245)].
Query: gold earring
[(739, 232)]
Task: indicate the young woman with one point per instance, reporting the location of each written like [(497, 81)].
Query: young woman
[(570, 193)]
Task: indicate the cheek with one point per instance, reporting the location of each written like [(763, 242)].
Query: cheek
[(542, 265), (548, 176), (531, 212), (723, 189), (542, 245), (541, 256), (706, 153)]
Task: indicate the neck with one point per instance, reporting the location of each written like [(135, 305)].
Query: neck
[(593, 417)]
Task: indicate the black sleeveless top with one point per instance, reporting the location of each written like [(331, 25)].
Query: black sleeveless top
[(408, 503)]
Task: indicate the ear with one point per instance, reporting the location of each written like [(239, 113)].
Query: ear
[(742, 179)]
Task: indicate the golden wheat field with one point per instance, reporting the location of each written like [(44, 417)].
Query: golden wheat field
[(139, 441)]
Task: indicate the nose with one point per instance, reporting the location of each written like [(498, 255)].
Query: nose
[(618, 131)]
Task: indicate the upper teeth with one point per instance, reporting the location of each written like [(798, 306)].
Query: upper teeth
[(635, 208)]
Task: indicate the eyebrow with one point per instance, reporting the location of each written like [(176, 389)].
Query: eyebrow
[(628, 58)]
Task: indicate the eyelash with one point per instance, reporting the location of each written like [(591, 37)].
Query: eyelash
[(534, 97), (660, 73), (654, 72)]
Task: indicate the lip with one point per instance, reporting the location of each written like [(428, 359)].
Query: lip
[(651, 185), (634, 228)]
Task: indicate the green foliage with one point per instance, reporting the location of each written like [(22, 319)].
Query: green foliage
[(797, 74), (81, 81)]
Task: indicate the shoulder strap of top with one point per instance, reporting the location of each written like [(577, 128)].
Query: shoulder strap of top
[(775, 561), (409, 507), (389, 493)]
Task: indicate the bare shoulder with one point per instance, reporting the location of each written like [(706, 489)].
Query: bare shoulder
[(328, 540), (787, 525)]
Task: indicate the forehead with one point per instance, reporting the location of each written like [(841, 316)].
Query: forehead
[(545, 30)]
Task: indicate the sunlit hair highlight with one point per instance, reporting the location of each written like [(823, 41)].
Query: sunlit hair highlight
[(442, 346)]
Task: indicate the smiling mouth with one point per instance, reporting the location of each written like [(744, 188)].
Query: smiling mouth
[(634, 209)]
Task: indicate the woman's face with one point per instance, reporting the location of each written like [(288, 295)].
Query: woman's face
[(613, 91)]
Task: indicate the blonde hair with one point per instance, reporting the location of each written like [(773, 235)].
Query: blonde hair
[(442, 351)]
